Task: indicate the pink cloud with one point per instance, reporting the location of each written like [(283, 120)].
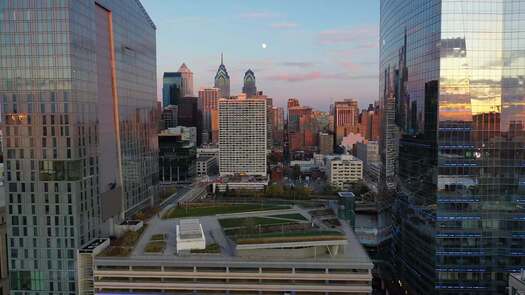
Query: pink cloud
[(316, 75), (361, 35), (296, 77)]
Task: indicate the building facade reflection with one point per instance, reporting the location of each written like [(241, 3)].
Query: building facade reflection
[(457, 68)]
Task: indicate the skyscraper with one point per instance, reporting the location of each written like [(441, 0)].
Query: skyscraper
[(242, 136), (208, 98), (451, 73), (278, 126), (346, 114), (222, 80), (186, 81), (171, 88), (80, 125), (249, 87)]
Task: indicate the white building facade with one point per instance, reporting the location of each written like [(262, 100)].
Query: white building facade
[(344, 170), (242, 137)]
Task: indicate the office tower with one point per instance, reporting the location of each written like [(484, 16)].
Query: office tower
[(188, 112), (300, 131), (293, 102), (169, 117), (451, 72), (208, 98), (186, 74), (278, 126), (370, 122), (4, 271), (346, 118), (326, 143), (222, 80), (80, 130), (242, 137), (343, 170), (249, 87), (269, 116), (171, 88), (177, 153)]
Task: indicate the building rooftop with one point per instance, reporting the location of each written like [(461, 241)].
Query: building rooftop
[(257, 234)]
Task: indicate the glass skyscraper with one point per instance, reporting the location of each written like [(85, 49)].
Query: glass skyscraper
[(171, 88), (249, 84), (456, 70), (78, 94)]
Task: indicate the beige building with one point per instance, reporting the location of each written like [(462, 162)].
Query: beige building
[(344, 170), (242, 136)]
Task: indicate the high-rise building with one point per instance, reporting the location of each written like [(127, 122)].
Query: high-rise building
[(177, 153), (222, 80), (293, 102), (171, 88), (269, 116), (186, 75), (278, 126), (169, 117), (208, 98), (242, 137), (249, 87), (346, 118), (326, 143), (80, 125), (456, 85), (370, 122)]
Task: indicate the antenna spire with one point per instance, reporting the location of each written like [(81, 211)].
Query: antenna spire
[(221, 59)]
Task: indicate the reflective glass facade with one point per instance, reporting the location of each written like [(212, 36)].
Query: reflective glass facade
[(78, 95), (456, 69)]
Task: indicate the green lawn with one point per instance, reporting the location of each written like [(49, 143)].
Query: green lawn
[(218, 209), (299, 236), (211, 248), (155, 247), (158, 237), (295, 216), (252, 221)]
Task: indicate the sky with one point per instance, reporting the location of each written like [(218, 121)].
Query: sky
[(318, 51)]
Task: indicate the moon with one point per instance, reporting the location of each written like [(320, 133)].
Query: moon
[(263, 45)]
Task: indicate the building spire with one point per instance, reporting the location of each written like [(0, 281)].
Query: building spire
[(221, 59)]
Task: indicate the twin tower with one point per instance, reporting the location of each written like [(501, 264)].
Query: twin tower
[(222, 81)]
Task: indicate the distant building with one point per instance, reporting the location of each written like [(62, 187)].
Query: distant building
[(346, 118), (301, 128), (169, 117), (249, 87), (269, 118), (189, 115), (368, 151), (344, 170), (171, 88), (278, 126), (187, 81), (242, 136), (208, 98), (370, 122), (293, 102), (177, 152), (222, 80), (326, 143), (207, 166)]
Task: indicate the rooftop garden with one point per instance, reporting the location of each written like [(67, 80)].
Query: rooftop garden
[(204, 209), (289, 237), (156, 244), (210, 249), (123, 245)]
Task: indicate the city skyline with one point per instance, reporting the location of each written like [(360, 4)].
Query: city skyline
[(332, 49)]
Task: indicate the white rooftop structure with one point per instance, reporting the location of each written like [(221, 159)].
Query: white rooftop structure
[(190, 235)]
